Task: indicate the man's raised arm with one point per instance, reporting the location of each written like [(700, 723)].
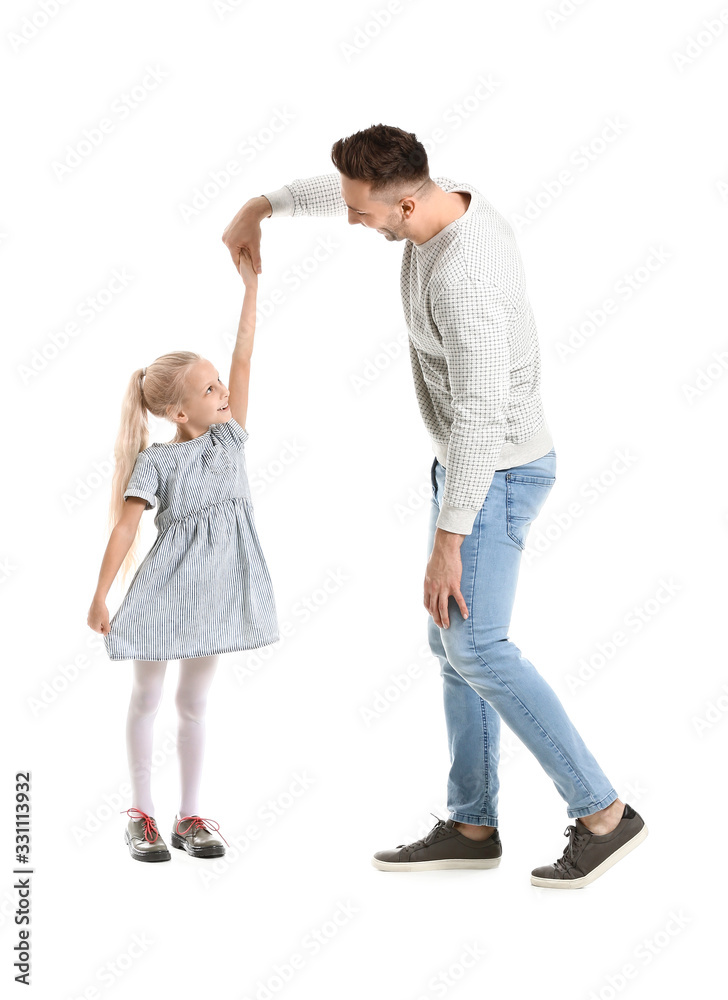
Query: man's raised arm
[(320, 195)]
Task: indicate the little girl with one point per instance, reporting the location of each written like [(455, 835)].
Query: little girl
[(203, 588)]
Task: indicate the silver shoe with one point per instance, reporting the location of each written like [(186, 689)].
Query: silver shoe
[(191, 834), (143, 838)]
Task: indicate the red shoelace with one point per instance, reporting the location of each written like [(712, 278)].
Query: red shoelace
[(150, 825), (198, 823)]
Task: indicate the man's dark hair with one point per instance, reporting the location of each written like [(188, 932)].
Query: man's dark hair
[(385, 156)]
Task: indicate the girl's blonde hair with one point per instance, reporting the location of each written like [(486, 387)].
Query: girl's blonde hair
[(160, 391)]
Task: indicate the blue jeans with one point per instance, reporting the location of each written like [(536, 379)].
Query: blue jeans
[(485, 675)]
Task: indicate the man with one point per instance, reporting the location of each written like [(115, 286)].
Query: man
[(475, 360)]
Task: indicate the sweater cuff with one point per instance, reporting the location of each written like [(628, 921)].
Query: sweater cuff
[(281, 201), (457, 519)]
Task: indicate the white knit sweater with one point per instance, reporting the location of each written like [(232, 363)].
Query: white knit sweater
[(472, 342)]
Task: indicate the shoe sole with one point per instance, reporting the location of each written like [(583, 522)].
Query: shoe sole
[(424, 866), (143, 856), (201, 852), (578, 883)]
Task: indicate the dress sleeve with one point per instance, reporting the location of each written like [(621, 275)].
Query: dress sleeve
[(144, 481), (232, 434)]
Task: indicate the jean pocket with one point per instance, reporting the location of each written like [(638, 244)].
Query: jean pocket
[(433, 478), (525, 496)]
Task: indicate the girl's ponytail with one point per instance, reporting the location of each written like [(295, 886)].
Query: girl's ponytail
[(133, 437), (156, 389)]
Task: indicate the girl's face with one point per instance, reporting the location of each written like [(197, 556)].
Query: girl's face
[(206, 401)]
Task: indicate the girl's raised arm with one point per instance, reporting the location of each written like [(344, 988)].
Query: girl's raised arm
[(240, 365)]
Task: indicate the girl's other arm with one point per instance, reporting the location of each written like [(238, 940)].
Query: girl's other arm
[(243, 350), (119, 544)]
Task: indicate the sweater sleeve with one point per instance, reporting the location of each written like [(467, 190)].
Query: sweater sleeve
[(320, 195), (473, 318)]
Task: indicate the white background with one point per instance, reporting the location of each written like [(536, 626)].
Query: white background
[(340, 478)]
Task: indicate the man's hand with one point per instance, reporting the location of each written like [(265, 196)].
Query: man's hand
[(442, 577), (244, 232)]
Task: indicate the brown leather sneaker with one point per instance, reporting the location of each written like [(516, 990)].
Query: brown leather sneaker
[(190, 834), (587, 856), (443, 847), (143, 838)]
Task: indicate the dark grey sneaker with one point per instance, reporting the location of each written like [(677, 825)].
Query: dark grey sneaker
[(443, 847), (587, 856), (143, 838)]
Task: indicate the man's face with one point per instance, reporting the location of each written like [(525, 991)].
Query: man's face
[(388, 220)]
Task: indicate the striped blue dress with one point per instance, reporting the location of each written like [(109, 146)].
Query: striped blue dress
[(204, 586)]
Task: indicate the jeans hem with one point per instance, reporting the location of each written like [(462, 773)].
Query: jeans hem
[(460, 817), (610, 797)]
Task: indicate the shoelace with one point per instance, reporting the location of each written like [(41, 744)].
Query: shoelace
[(568, 860), (150, 825), (429, 837), (198, 823)]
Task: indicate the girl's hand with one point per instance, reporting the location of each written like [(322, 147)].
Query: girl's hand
[(247, 271), (98, 617)]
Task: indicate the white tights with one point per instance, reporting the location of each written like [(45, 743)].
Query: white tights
[(195, 677)]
